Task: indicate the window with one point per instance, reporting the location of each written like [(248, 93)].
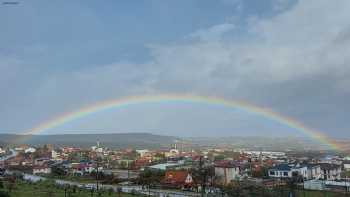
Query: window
[(285, 173)]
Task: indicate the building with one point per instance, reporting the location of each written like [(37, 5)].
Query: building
[(165, 166), (142, 152), (178, 178), (313, 171), (287, 171), (41, 161), (330, 171), (346, 165), (83, 168), (2, 151), (30, 150), (280, 171), (41, 170), (226, 171)]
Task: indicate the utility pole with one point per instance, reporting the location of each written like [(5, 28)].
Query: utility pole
[(346, 185), (97, 166), (128, 171), (203, 175)]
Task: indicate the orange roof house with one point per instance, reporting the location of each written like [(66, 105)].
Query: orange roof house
[(178, 178)]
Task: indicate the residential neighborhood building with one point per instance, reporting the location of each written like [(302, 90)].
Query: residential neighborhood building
[(41, 170), (226, 171), (178, 178)]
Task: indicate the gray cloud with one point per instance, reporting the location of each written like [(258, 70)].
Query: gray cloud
[(296, 63)]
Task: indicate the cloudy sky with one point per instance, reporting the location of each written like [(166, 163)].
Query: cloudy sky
[(288, 55)]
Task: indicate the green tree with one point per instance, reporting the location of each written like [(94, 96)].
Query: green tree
[(110, 191), (11, 183), (150, 177), (4, 194), (219, 157)]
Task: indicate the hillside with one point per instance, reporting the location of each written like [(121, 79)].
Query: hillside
[(115, 140)]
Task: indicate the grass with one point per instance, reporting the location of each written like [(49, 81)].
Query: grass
[(312, 193), (45, 189), (48, 189), (80, 179), (308, 193)]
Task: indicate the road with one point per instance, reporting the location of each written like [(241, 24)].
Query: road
[(124, 188), (13, 154)]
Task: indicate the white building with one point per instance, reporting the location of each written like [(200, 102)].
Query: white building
[(313, 171), (142, 152), (330, 171), (346, 165), (287, 171), (226, 172), (30, 150), (41, 170)]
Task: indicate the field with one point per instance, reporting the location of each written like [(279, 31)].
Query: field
[(48, 189), (45, 189), (319, 194)]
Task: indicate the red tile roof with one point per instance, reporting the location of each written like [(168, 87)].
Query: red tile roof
[(177, 177)]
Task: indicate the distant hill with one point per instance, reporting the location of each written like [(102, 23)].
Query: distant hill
[(152, 141), (115, 140), (261, 143)]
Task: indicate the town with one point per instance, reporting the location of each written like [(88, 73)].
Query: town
[(178, 170)]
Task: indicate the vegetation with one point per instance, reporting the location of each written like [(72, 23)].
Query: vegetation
[(249, 189), (150, 177), (49, 189)]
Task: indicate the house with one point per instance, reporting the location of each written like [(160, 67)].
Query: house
[(2, 151), (178, 178), (142, 152), (285, 170), (313, 171), (299, 170), (140, 163), (2, 171), (346, 165), (166, 166), (21, 148), (14, 161), (280, 171), (41, 161), (226, 171), (330, 171), (41, 170), (55, 155), (30, 150), (83, 167), (172, 153)]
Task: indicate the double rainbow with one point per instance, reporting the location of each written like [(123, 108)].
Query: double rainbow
[(133, 100)]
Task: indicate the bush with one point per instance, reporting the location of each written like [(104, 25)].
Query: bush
[(4, 194)]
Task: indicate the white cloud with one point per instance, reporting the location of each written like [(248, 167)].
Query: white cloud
[(293, 62), (214, 33)]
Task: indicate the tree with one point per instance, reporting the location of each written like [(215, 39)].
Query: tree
[(4, 194), (150, 177), (57, 171), (110, 191), (292, 183), (203, 175), (119, 190), (11, 183), (219, 157), (246, 189)]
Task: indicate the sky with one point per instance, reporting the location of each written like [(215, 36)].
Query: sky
[(290, 56)]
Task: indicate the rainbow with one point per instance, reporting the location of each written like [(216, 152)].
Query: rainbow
[(133, 100)]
